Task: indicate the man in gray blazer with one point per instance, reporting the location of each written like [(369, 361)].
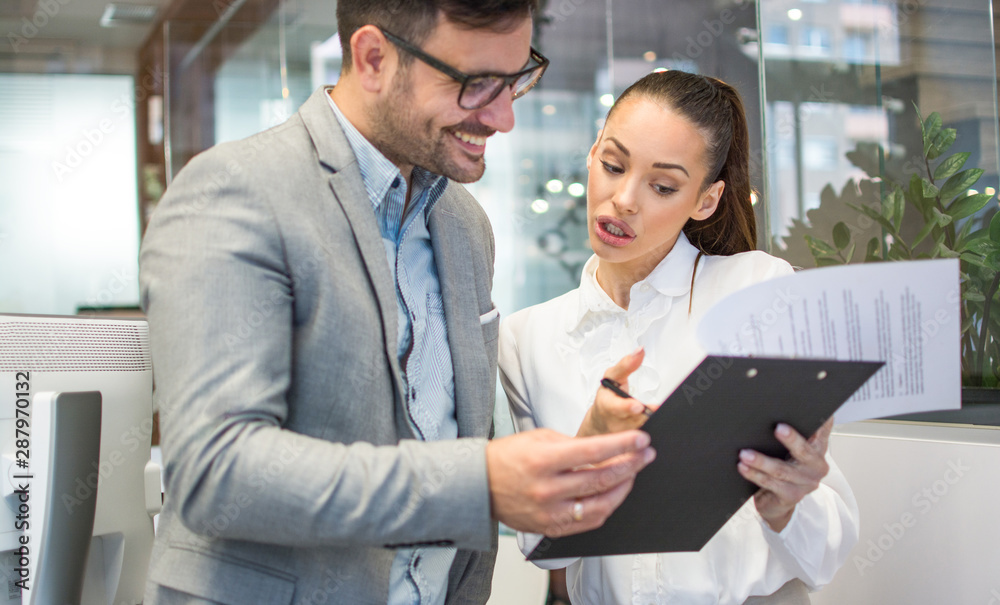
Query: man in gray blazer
[(324, 341)]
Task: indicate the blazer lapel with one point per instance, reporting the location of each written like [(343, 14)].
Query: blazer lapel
[(453, 259), (346, 184)]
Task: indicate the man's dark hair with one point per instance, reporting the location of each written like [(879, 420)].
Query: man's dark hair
[(415, 20)]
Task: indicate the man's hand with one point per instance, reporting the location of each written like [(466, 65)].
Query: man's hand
[(611, 413), (784, 483), (544, 482)]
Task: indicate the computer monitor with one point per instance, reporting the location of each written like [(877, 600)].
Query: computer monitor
[(59, 364)]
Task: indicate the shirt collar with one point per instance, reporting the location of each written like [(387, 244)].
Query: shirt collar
[(377, 172), (671, 277)]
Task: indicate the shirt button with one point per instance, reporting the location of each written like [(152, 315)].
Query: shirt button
[(395, 182), (645, 287)]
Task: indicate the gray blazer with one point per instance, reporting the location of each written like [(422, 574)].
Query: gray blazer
[(290, 467)]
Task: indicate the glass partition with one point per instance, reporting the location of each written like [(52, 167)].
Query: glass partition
[(832, 90), (69, 225), (875, 104)]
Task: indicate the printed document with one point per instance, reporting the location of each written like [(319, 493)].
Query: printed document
[(906, 314)]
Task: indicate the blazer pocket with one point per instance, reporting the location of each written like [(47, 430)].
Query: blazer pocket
[(221, 579), (490, 323), (491, 315)]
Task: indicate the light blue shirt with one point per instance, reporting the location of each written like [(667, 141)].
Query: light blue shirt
[(418, 575)]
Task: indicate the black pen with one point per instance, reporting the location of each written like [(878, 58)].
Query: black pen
[(617, 390)]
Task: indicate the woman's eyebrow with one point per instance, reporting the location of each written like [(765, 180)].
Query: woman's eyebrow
[(671, 166), (656, 165), (619, 145)]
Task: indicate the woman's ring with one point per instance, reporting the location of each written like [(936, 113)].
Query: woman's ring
[(578, 511)]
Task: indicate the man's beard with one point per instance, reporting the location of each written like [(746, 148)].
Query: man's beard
[(405, 138)]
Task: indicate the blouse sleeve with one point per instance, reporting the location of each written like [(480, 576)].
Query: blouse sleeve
[(830, 512), (752, 559), (512, 380), (511, 377)]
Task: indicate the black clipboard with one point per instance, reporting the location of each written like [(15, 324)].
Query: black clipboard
[(726, 404)]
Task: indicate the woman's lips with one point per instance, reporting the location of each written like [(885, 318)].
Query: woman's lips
[(613, 232)]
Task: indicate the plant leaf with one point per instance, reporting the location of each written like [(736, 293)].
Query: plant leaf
[(819, 248), (968, 205), (941, 218), (827, 262), (897, 253), (946, 252), (993, 260), (982, 246), (924, 232), (930, 190), (898, 201), (850, 253), (974, 296), (951, 165), (871, 253), (881, 220), (929, 130), (959, 183), (963, 234), (995, 227), (942, 142), (917, 194), (974, 259), (841, 235)]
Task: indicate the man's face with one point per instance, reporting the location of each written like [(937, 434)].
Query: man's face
[(419, 121)]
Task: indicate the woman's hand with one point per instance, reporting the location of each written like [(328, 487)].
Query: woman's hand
[(784, 483), (611, 413)]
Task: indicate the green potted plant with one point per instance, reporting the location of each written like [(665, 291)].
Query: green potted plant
[(930, 210)]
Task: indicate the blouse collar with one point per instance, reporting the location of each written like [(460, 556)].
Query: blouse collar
[(670, 278)]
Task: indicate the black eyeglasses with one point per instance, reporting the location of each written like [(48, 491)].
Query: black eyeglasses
[(479, 90)]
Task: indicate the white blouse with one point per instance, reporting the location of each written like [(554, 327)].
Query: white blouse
[(552, 357)]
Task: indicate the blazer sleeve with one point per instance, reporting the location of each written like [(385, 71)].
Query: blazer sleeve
[(219, 300)]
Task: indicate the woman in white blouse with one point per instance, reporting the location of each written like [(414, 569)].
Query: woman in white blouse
[(672, 229)]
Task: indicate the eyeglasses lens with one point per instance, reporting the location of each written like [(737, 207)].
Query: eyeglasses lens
[(479, 92)]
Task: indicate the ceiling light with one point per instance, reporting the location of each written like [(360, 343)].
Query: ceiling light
[(127, 14)]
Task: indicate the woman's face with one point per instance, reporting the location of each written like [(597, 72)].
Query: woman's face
[(646, 174)]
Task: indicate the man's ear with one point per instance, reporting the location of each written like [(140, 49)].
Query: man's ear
[(709, 201), (371, 60)]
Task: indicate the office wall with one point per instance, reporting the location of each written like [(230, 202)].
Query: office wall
[(930, 523)]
